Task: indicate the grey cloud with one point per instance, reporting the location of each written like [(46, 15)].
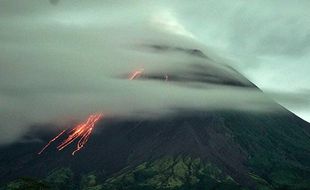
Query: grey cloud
[(54, 2), (41, 85), (72, 59), (256, 27), (298, 99), (267, 41)]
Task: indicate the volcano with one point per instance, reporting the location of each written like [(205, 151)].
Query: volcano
[(190, 149)]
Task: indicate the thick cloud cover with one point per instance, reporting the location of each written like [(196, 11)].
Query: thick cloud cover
[(61, 60), (269, 41)]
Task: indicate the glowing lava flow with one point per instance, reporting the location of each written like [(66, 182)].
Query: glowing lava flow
[(82, 132), (135, 74), (47, 145)]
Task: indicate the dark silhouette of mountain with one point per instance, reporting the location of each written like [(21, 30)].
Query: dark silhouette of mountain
[(193, 149), (166, 48)]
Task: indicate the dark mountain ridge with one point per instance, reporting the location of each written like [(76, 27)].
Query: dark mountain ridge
[(192, 149), (237, 143)]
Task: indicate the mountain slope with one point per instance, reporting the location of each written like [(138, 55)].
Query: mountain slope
[(192, 149), (276, 148)]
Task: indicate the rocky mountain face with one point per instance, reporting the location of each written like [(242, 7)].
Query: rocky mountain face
[(224, 148), (192, 149)]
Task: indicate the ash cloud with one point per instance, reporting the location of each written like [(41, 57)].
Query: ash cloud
[(67, 61)]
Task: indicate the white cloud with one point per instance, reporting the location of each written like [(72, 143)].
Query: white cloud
[(69, 60), (165, 19)]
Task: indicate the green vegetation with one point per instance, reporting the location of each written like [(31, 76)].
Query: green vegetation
[(167, 173), (181, 173), (280, 155), (89, 182), (26, 184), (170, 174), (60, 179)]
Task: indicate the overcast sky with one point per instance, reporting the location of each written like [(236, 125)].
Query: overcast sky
[(63, 59), (269, 41)]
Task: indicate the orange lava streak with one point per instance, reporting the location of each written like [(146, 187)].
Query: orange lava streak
[(51, 141), (135, 74), (82, 132)]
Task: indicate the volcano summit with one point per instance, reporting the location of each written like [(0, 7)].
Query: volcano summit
[(190, 148)]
